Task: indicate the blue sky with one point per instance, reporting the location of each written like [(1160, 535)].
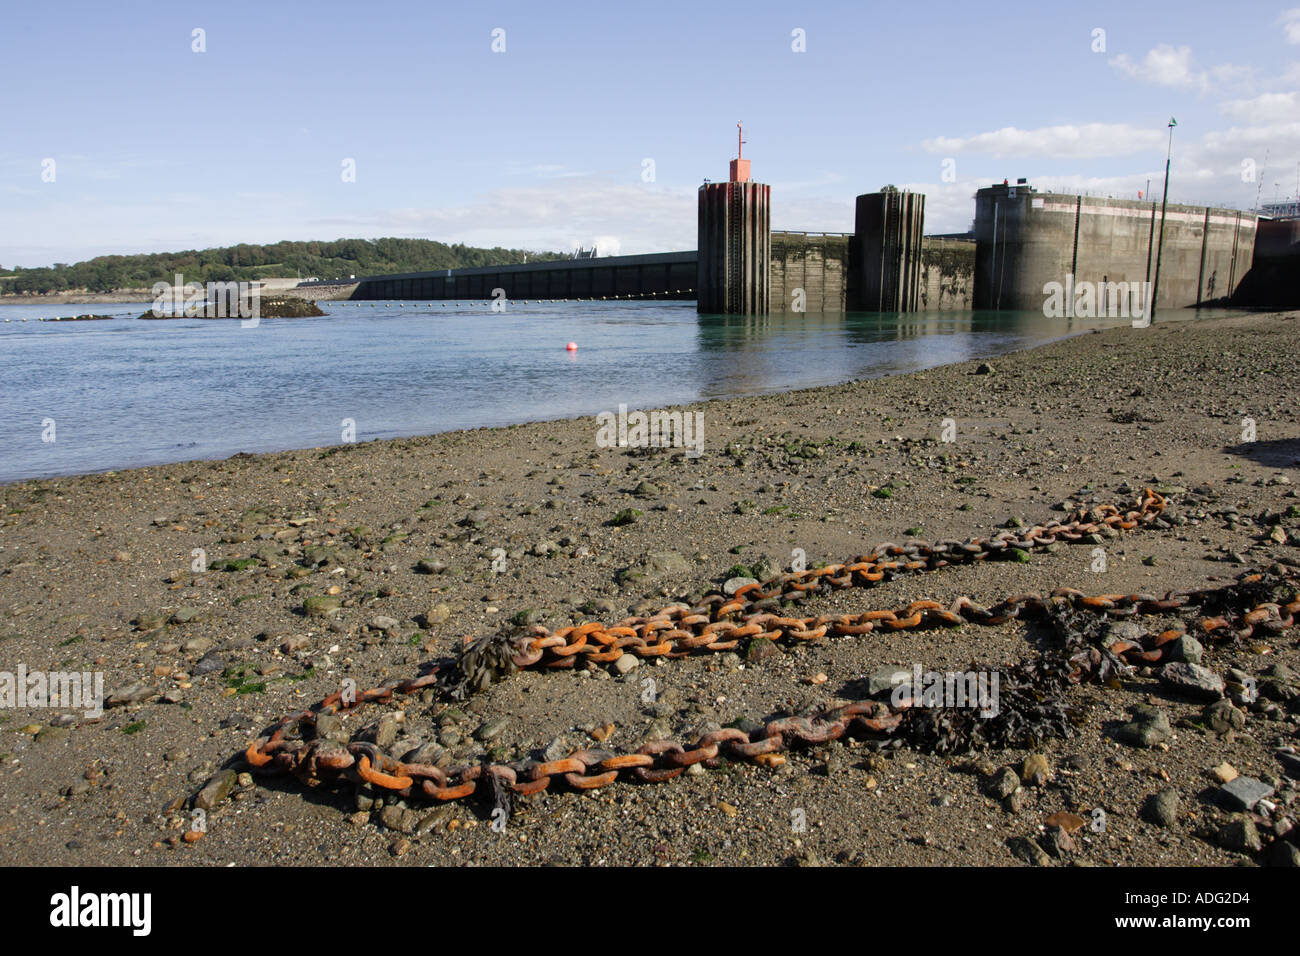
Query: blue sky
[(157, 147)]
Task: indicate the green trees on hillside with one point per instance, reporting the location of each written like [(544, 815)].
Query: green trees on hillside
[(324, 260)]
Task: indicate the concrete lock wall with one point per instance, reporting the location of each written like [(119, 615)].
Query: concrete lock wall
[(819, 264), (734, 248), (811, 265), (947, 274), (1025, 240)]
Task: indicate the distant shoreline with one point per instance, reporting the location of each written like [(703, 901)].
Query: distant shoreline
[(78, 298), (320, 291)]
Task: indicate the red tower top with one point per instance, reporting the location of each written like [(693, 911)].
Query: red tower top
[(739, 166)]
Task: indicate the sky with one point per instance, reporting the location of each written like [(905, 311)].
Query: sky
[(147, 127)]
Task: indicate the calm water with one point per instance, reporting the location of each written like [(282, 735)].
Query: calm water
[(129, 392)]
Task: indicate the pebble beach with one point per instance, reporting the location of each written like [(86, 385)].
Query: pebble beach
[(216, 596)]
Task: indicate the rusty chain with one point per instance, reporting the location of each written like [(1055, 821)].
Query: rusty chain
[(677, 629), (322, 761), (720, 623)]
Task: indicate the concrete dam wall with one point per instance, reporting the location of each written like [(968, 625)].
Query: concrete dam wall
[(1023, 240), (1026, 239), (819, 264), (815, 262), (667, 275), (947, 274)]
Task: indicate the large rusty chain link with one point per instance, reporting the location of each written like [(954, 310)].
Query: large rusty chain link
[(712, 625), (721, 623)]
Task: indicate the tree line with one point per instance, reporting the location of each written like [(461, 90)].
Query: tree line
[(324, 260)]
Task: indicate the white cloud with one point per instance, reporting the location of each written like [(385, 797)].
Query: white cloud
[(1290, 23), (614, 216), (553, 214), (1087, 140), (1166, 65), (1281, 138), (1266, 108)]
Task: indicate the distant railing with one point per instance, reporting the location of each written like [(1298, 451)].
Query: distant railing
[(1152, 199)]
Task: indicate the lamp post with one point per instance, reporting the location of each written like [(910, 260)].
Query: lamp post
[(1160, 245)]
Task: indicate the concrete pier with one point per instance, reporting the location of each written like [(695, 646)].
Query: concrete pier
[(885, 252)]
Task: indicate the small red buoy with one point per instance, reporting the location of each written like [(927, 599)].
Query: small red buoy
[(571, 347)]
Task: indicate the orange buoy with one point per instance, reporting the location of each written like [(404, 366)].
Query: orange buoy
[(571, 347)]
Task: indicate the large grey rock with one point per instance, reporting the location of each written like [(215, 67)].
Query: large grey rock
[(216, 789), (732, 585), (1124, 631), (1222, 717), (209, 664), (131, 694), (658, 564), (1148, 728), (1185, 650), (1001, 784), (883, 681), (1242, 793), (1162, 808), (397, 818), (1193, 680), (1240, 835), (492, 728)]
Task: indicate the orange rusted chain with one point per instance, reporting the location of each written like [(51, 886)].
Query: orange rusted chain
[(322, 760), (719, 624), (661, 634), (677, 629)]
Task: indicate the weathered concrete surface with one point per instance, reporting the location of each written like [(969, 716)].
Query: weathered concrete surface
[(1026, 239), (819, 264), (885, 253), (734, 248), (667, 275), (947, 274), (808, 269)]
